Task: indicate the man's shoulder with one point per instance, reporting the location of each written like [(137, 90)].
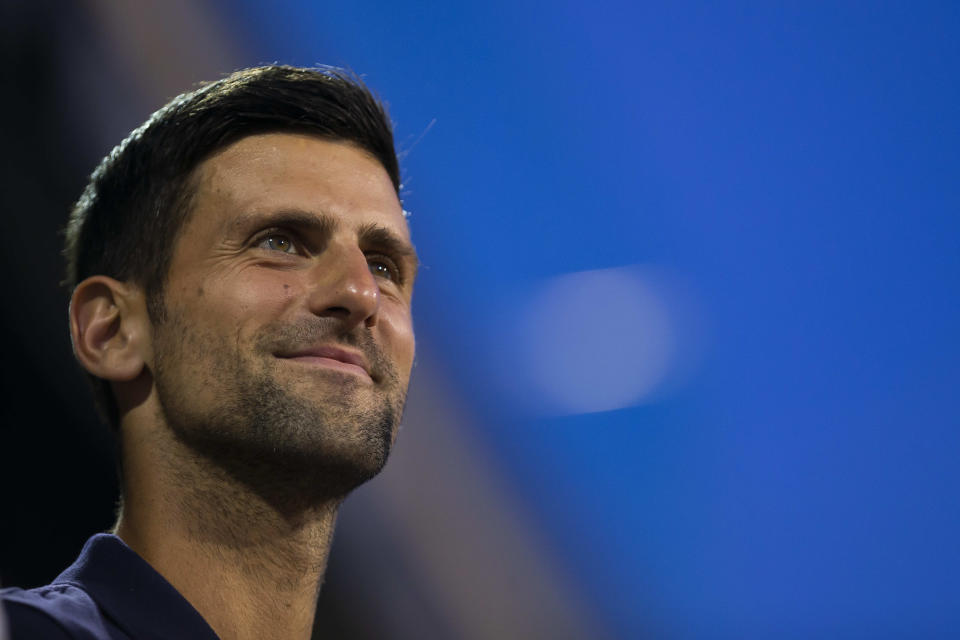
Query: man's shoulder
[(108, 593), (54, 611)]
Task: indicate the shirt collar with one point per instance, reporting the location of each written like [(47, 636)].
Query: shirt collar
[(132, 594)]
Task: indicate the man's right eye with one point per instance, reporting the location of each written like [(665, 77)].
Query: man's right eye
[(278, 242)]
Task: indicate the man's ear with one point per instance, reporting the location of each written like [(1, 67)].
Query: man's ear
[(109, 328)]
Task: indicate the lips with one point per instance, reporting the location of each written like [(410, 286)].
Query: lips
[(333, 358)]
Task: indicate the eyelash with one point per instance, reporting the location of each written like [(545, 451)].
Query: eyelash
[(395, 273)]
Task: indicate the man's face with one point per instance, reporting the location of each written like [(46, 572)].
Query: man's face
[(287, 338)]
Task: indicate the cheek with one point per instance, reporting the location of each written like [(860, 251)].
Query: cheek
[(248, 297), (397, 330)]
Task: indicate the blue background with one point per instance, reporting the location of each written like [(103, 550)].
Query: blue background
[(797, 164)]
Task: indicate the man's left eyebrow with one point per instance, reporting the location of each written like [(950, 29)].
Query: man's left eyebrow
[(385, 239)]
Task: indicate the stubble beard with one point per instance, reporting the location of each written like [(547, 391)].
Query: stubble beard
[(296, 437)]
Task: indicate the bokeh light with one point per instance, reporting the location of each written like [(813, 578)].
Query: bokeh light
[(597, 340)]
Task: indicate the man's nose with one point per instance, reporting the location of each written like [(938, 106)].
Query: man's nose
[(344, 287)]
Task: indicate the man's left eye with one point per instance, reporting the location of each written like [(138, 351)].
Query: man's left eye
[(383, 268)]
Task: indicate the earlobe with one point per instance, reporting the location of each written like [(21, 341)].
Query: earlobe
[(107, 328)]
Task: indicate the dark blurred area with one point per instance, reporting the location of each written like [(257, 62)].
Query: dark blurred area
[(56, 459)]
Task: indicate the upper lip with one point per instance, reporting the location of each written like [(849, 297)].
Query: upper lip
[(334, 353)]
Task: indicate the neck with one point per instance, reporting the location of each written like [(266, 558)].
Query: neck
[(250, 561)]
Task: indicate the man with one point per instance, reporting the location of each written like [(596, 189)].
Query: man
[(241, 274)]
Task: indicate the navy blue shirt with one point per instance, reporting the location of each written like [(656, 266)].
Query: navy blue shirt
[(109, 593)]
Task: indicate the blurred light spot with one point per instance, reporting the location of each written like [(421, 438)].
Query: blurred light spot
[(599, 340)]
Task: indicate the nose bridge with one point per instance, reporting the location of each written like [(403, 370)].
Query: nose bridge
[(343, 285)]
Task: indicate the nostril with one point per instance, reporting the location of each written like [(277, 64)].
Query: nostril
[(338, 311)]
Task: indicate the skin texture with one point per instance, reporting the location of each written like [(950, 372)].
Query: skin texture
[(239, 442)]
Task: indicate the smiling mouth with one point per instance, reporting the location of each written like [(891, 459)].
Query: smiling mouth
[(331, 363), (331, 358)]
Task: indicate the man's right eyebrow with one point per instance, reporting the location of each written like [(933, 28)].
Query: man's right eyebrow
[(296, 219)]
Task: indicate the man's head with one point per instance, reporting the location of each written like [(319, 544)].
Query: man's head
[(243, 256), (128, 218)]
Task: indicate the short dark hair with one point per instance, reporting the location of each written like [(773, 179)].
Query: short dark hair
[(126, 222)]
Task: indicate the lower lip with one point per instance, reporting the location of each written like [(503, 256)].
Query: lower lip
[(330, 363)]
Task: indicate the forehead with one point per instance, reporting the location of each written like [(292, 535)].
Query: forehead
[(297, 172)]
